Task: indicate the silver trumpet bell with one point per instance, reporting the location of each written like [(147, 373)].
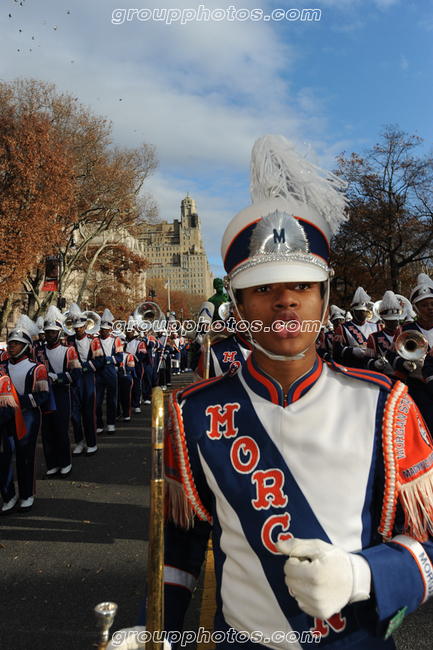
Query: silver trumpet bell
[(411, 345)]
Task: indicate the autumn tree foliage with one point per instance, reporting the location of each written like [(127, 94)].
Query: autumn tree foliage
[(107, 188), (36, 195), (116, 281), (182, 303), (389, 236)]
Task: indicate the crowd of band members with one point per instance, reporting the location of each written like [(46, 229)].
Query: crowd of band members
[(50, 381), (60, 380), (355, 340)]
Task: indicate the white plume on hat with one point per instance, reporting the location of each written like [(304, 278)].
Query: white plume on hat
[(25, 323), (107, 319), (74, 311), (278, 170), (53, 314), (423, 278), (360, 297), (389, 301), (107, 316), (40, 323), (423, 290), (284, 235)]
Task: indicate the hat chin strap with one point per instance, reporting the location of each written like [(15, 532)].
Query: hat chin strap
[(20, 354), (281, 357)]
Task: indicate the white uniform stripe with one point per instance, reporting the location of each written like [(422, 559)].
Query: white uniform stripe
[(422, 560), (175, 576)]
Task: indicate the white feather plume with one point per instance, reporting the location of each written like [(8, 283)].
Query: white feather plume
[(423, 278), (40, 323), (360, 297), (74, 311), (53, 313), (389, 301), (107, 316), (25, 323), (278, 170)]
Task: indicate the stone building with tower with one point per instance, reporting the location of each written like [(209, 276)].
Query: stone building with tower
[(176, 252)]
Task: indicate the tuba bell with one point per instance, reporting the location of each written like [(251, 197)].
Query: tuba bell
[(411, 345), (67, 324), (149, 314), (92, 325), (93, 322)]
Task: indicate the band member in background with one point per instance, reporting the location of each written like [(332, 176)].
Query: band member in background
[(106, 376), (350, 338), (302, 469), (381, 343), (137, 347), (91, 357), (126, 379), (418, 378), (31, 383), (64, 370), (12, 428)]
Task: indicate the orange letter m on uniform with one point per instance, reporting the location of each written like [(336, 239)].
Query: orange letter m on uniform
[(222, 422)]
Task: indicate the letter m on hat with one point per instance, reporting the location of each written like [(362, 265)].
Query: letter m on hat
[(279, 236)]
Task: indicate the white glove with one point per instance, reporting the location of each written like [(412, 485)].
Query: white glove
[(323, 578), (53, 377), (358, 352), (410, 366), (379, 364)]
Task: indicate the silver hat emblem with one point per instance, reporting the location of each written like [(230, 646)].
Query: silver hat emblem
[(278, 233)]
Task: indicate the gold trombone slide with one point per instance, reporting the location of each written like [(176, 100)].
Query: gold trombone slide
[(155, 578)]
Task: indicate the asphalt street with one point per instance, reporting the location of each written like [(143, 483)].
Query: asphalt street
[(85, 541)]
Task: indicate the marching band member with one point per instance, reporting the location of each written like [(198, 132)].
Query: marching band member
[(326, 339), (303, 469), (225, 354), (417, 381), (137, 347), (150, 374), (91, 358), (106, 376), (33, 388), (126, 380), (12, 426), (381, 343), (64, 370), (350, 339)]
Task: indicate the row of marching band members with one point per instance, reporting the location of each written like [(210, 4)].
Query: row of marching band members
[(53, 382), (353, 339), (380, 345)]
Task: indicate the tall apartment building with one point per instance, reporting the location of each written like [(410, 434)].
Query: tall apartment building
[(176, 252)]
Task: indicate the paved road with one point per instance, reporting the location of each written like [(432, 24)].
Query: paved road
[(85, 541)]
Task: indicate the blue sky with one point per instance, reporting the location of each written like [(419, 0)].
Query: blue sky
[(203, 90)]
